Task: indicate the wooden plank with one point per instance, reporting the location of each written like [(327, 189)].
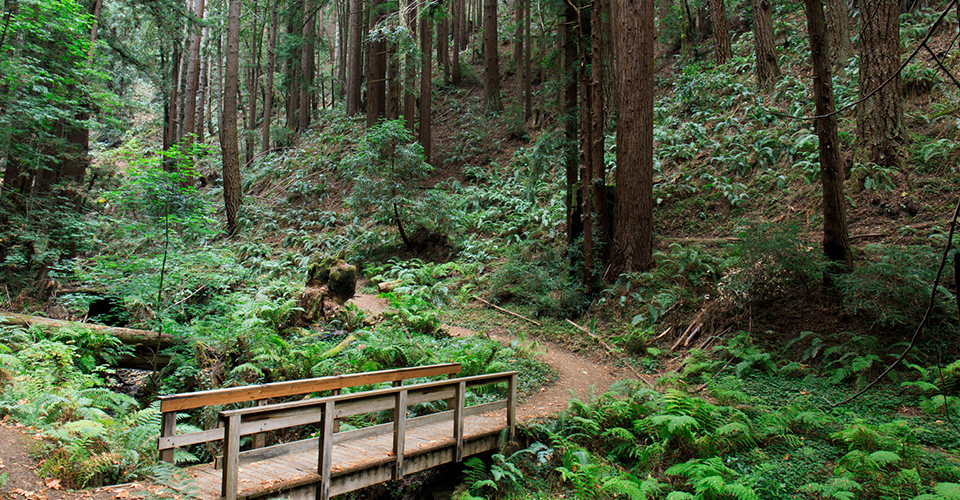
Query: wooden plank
[(399, 432), (229, 395), (425, 390), (325, 460), (231, 445), (260, 439), (458, 417), (168, 428), (512, 407), (171, 442)]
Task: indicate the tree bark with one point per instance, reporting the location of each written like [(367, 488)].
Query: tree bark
[(633, 243), (307, 65), (567, 110), (377, 71), (598, 179), (354, 59), (836, 240), (491, 58), (768, 69), (838, 32), (426, 84), (409, 67), (527, 88), (228, 120), (457, 6), (443, 49), (721, 37), (193, 78), (880, 131), (268, 89)]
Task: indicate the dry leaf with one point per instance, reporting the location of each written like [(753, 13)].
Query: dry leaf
[(53, 484)]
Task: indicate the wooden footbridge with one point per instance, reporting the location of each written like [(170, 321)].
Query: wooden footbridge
[(334, 462)]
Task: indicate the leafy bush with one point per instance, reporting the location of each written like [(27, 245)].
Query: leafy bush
[(772, 258), (892, 285)]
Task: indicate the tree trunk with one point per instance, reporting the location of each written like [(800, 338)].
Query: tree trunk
[(838, 32), (409, 68), (443, 49), (836, 240), (228, 120), (880, 131), (518, 36), (426, 84), (306, 65), (457, 6), (721, 37), (393, 79), (128, 336), (193, 78), (567, 111), (202, 98), (768, 69), (586, 167), (633, 243), (491, 58), (527, 88), (377, 72), (355, 58), (268, 89), (598, 183)]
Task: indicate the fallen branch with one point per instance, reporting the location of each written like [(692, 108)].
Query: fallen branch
[(505, 311), (612, 351), (128, 336)]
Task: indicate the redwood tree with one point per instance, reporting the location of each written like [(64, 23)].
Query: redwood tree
[(880, 132), (228, 119), (721, 37), (768, 70), (633, 244), (836, 240), (491, 58)]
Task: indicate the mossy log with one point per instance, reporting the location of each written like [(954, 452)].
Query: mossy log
[(128, 336)]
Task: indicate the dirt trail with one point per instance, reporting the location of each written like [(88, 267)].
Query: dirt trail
[(578, 377)]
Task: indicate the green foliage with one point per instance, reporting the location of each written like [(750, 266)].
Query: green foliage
[(771, 260), (892, 286), (385, 169)]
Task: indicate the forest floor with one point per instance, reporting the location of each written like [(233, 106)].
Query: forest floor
[(578, 376)]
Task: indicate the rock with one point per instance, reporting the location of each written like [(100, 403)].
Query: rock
[(387, 286)]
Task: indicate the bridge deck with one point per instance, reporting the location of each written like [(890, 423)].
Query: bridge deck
[(356, 463)]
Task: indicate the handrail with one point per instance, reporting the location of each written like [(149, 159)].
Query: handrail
[(171, 404), (326, 410)]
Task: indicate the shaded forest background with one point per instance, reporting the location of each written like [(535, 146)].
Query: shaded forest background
[(767, 222)]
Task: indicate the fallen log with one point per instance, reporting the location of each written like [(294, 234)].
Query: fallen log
[(128, 336)]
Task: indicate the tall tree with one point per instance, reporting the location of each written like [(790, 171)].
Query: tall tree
[(307, 64), (721, 37), (376, 69), (838, 31), (354, 57), (193, 74), (567, 105), (597, 122), (426, 82), (880, 131), (768, 69), (268, 86), (491, 58), (836, 240), (527, 88), (633, 241), (443, 47), (457, 8), (228, 119)]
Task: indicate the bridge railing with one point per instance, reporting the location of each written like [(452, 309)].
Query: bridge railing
[(173, 404), (325, 411)]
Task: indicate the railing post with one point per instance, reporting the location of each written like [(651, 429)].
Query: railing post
[(458, 406), (326, 450), (512, 406), (399, 432), (260, 438), (231, 458), (168, 428)]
